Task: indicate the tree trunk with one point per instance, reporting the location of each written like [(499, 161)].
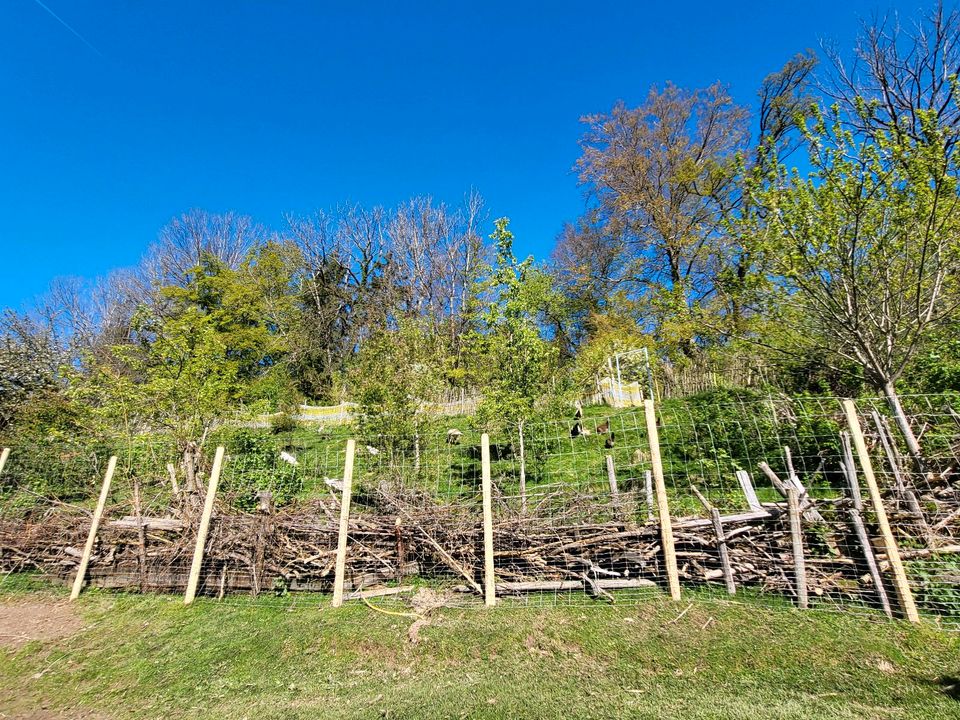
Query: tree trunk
[(903, 423), (523, 471), (190, 464)]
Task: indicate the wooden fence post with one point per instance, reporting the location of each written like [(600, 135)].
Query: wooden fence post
[(648, 492), (728, 580), (796, 535), (341, 566), (204, 528), (663, 506), (614, 490), (856, 517), (94, 526), (890, 543), (489, 573), (3, 459)]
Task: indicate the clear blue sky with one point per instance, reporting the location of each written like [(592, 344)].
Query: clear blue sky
[(273, 107)]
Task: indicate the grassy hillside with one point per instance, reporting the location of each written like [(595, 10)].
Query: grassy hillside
[(141, 657)]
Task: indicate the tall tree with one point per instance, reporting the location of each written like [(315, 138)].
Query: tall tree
[(869, 244), (663, 175), (517, 362)]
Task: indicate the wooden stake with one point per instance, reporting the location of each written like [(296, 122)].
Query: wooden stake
[(3, 458), (856, 518), (796, 534), (724, 553), (748, 492), (94, 526), (489, 576), (902, 488), (204, 528), (717, 523), (792, 476), (648, 489), (614, 491), (663, 507), (141, 535), (172, 471), (341, 565), (893, 552)]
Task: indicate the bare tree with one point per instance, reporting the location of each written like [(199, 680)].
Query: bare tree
[(898, 74), (184, 241), (664, 174)]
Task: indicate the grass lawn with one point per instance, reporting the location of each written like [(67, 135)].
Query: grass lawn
[(148, 656)]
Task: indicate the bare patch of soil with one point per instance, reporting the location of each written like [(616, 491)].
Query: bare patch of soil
[(27, 620)]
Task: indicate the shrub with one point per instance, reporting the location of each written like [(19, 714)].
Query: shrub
[(283, 422), (255, 466)]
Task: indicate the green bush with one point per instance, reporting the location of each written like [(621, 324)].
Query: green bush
[(283, 422), (732, 429), (255, 466)]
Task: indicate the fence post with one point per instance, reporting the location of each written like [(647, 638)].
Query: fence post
[(204, 528), (890, 543), (489, 576), (341, 566), (94, 526), (3, 459), (796, 535), (723, 551), (663, 507), (614, 490)]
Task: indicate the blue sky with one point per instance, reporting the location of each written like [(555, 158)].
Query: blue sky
[(275, 107)]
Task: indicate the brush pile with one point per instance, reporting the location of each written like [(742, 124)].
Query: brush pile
[(558, 546)]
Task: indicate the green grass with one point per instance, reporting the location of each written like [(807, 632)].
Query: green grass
[(703, 450), (149, 656)]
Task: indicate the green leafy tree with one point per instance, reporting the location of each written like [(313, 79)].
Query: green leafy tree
[(517, 365), (868, 245), (396, 374), (174, 376)]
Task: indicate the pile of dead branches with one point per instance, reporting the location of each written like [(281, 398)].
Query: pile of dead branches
[(403, 535)]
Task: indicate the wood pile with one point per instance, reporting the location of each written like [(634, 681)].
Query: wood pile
[(558, 546)]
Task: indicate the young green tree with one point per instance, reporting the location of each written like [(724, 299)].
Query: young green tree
[(517, 363), (174, 376), (869, 245), (395, 375)]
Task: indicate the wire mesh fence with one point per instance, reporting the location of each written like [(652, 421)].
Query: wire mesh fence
[(577, 510)]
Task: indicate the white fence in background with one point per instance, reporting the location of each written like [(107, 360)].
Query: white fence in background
[(346, 411)]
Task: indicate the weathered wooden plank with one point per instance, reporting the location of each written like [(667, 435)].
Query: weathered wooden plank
[(743, 477)]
